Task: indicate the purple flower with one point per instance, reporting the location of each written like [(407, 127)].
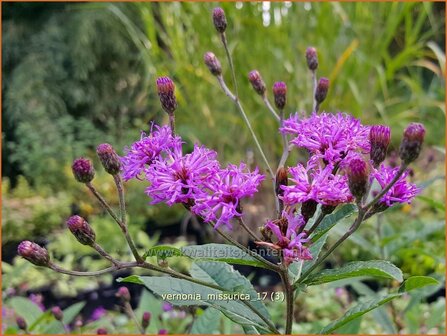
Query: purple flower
[(178, 178), (316, 184), (38, 300), (401, 192), (288, 240), (166, 306), (147, 149), (228, 187), (328, 136), (98, 313)]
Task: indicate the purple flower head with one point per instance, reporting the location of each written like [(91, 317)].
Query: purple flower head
[(162, 332), (357, 172), (81, 229), (166, 306), (166, 93), (379, 137), (322, 89), (213, 63), (226, 190), (146, 319), (33, 253), (321, 186), (280, 94), (219, 19), (312, 58), (411, 144), (287, 239), (401, 192), (330, 137), (98, 313), (57, 313), (37, 299), (257, 82), (83, 170), (149, 148), (178, 178), (109, 159)]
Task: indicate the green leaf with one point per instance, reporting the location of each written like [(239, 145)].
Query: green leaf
[(182, 292), (221, 252), (26, 309), (330, 220), (207, 322), (357, 311), (416, 282), (163, 252), (350, 328), (374, 268), (227, 277), (250, 330), (71, 312)]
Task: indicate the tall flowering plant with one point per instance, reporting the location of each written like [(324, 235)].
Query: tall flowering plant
[(342, 173)]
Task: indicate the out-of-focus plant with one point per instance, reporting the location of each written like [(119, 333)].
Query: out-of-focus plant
[(340, 173)]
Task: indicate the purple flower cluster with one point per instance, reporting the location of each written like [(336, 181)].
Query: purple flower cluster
[(194, 179), (328, 137), (287, 239), (401, 192)]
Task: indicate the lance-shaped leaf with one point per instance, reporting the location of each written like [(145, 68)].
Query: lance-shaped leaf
[(416, 282), (357, 311), (372, 268)]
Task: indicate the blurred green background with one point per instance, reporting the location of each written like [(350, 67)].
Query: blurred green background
[(76, 75)]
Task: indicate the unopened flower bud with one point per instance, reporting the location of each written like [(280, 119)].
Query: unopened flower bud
[(357, 172), (34, 253), (81, 230), (280, 94), (219, 19), (162, 332), (21, 323), (166, 88), (212, 63), (57, 313), (411, 144), (256, 81), (146, 319), (379, 137), (308, 209), (312, 58), (123, 294), (109, 159), (83, 170), (101, 331), (281, 180), (322, 89)]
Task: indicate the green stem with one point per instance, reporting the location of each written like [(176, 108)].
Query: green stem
[(317, 222), (270, 108), (131, 314), (104, 254), (230, 61), (288, 292), (103, 202), (124, 228), (246, 228)]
